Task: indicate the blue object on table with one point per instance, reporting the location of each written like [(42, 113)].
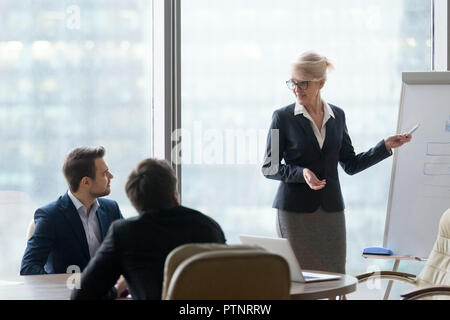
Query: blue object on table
[(378, 250)]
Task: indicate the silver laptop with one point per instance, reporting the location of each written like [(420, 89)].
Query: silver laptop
[(283, 248)]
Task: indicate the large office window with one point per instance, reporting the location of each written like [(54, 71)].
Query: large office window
[(235, 60), (72, 73)]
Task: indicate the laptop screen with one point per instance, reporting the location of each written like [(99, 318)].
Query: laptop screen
[(278, 246), (283, 248)]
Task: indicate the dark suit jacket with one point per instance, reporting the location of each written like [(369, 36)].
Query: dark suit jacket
[(59, 240), (137, 249), (299, 148)]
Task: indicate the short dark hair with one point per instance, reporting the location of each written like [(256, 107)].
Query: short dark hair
[(80, 163), (152, 185)]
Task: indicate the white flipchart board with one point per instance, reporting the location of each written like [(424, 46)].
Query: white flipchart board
[(420, 181)]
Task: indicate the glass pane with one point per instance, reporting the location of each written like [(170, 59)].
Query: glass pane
[(71, 75), (236, 56)]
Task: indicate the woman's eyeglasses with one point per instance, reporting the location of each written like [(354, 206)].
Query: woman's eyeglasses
[(292, 85)]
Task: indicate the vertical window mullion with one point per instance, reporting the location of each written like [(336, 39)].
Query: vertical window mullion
[(441, 52), (167, 81)]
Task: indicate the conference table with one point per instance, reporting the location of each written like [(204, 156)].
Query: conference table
[(323, 289), (36, 287), (58, 287)]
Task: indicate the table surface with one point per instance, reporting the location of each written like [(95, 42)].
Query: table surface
[(36, 287), (323, 289), (55, 287)]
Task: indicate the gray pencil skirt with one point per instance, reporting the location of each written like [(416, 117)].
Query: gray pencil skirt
[(318, 239)]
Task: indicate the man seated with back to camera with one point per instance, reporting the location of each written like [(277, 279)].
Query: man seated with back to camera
[(137, 247)]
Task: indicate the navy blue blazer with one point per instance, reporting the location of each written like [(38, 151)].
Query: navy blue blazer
[(299, 148), (59, 240)]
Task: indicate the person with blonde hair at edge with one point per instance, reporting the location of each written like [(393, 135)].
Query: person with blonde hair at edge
[(311, 137)]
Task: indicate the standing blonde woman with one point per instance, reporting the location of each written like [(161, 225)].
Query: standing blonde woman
[(311, 137)]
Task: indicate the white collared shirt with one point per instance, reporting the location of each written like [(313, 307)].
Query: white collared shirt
[(90, 223), (327, 114)]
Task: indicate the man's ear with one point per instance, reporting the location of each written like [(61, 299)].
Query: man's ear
[(85, 182)]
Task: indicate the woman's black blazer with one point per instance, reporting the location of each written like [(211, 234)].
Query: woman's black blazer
[(299, 149)]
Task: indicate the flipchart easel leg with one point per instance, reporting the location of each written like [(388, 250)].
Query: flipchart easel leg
[(391, 282)]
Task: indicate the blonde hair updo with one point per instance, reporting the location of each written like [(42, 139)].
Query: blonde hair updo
[(311, 66)]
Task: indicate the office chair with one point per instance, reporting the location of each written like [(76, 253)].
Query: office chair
[(221, 272), (434, 279)]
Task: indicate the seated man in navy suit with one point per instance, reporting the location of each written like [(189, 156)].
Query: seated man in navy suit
[(69, 231)]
